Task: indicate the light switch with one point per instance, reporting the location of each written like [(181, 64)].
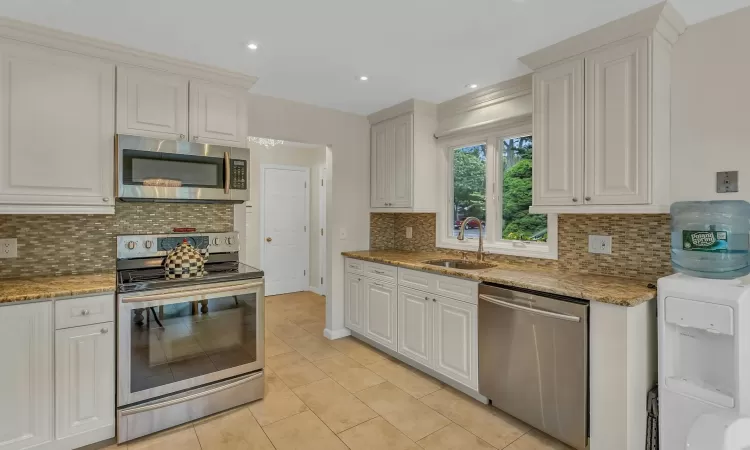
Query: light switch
[(8, 248), (600, 244), (408, 232)]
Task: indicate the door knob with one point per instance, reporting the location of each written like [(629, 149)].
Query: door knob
[(268, 239)]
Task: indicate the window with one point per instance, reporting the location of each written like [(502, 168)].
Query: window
[(489, 177)]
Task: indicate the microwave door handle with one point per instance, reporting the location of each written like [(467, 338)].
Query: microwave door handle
[(226, 172)]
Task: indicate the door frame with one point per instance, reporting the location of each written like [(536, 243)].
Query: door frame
[(322, 223), (262, 218)]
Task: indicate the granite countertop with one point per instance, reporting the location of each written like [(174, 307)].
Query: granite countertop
[(43, 287), (599, 288)]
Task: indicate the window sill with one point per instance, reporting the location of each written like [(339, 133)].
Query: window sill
[(510, 248)]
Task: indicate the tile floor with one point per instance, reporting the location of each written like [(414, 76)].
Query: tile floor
[(343, 394)]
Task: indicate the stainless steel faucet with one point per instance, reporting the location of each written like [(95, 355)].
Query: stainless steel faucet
[(480, 250)]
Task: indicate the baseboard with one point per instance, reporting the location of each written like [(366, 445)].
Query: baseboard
[(91, 438), (336, 334), (315, 289)]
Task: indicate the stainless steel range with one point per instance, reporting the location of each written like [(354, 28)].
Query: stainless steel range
[(187, 347)]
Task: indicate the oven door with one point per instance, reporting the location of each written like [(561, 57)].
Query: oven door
[(162, 170), (178, 339)]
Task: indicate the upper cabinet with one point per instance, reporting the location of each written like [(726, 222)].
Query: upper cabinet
[(218, 114), (602, 117), (400, 137), (151, 103), (56, 131)]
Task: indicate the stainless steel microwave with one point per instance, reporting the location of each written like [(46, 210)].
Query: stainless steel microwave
[(157, 170)]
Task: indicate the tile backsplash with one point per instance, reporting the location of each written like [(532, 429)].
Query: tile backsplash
[(74, 244), (640, 243)]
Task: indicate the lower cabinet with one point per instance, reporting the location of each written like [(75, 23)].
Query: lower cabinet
[(415, 325), (381, 312), (26, 378), (354, 290), (455, 341), (84, 378)]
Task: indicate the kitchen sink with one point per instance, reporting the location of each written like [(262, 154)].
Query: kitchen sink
[(459, 264)]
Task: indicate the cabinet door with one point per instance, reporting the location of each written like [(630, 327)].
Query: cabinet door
[(26, 378), (84, 378), (400, 148), (151, 103), (56, 127), (455, 341), (218, 114), (353, 302), (380, 191), (617, 114), (381, 309), (558, 135), (415, 325)]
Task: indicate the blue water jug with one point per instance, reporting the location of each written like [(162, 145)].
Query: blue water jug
[(711, 239)]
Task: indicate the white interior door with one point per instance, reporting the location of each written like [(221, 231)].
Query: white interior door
[(285, 217)]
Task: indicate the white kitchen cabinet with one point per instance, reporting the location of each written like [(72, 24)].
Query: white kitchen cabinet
[(391, 163), (26, 380), (151, 103), (57, 131), (403, 176), (218, 114), (558, 135), (455, 340), (84, 378), (617, 146), (354, 290), (415, 325), (381, 313)]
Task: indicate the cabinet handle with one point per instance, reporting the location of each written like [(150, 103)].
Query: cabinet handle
[(359, 279), (378, 284), (588, 199), (427, 299), (575, 200), (195, 138), (434, 300), (84, 312), (379, 272), (105, 199), (105, 330)]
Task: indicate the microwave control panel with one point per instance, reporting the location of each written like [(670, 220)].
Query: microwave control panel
[(238, 174)]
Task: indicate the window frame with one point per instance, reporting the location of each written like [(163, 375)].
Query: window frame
[(493, 243)]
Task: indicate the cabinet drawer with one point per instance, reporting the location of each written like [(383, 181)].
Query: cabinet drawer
[(455, 288), (75, 312), (381, 272), (355, 266)]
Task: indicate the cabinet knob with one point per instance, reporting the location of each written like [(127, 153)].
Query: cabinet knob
[(182, 136), (84, 312), (105, 330), (427, 298), (268, 239), (434, 300), (195, 138), (588, 199), (105, 199), (575, 200)]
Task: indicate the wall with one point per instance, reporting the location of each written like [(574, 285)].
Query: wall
[(348, 190), (310, 156), (710, 98), (640, 243), (73, 244)]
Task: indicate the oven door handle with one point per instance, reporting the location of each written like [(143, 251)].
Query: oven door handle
[(191, 293), (175, 401), (226, 172)]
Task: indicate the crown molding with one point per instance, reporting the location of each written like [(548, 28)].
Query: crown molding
[(662, 18), (491, 95), (418, 107), (61, 40)]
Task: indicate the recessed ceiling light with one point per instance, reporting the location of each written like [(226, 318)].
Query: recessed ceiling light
[(363, 78), (472, 86), (252, 46)]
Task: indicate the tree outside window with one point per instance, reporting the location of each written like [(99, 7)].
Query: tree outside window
[(469, 187), (518, 224)]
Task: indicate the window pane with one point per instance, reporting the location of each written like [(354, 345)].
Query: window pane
[(518, 224), (469, 187)]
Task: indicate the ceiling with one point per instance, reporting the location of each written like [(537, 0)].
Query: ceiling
[(314, 51)]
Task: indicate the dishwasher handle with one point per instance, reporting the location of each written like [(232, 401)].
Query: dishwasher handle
[(541, 312)]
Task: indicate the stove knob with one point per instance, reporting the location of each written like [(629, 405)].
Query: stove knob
[(131, 245), (148, 244), (216, 241), (229, 241)]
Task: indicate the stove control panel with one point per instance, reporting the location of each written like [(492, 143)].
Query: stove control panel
[(152, 245)]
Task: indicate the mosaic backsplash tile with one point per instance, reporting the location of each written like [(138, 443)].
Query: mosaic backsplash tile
[(78, 244), (640, 243)]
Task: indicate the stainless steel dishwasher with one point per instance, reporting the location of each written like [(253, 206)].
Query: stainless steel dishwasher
[(533, 359)]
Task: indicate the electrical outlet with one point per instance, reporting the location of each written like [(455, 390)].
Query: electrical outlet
[(408, 232), (8, 248), (600, 244), (342, 233)]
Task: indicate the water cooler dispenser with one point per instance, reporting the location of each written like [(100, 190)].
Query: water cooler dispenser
[(704, 362)]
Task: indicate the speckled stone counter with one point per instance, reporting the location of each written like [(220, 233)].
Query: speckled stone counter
[(35, 288), (599, 288)]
